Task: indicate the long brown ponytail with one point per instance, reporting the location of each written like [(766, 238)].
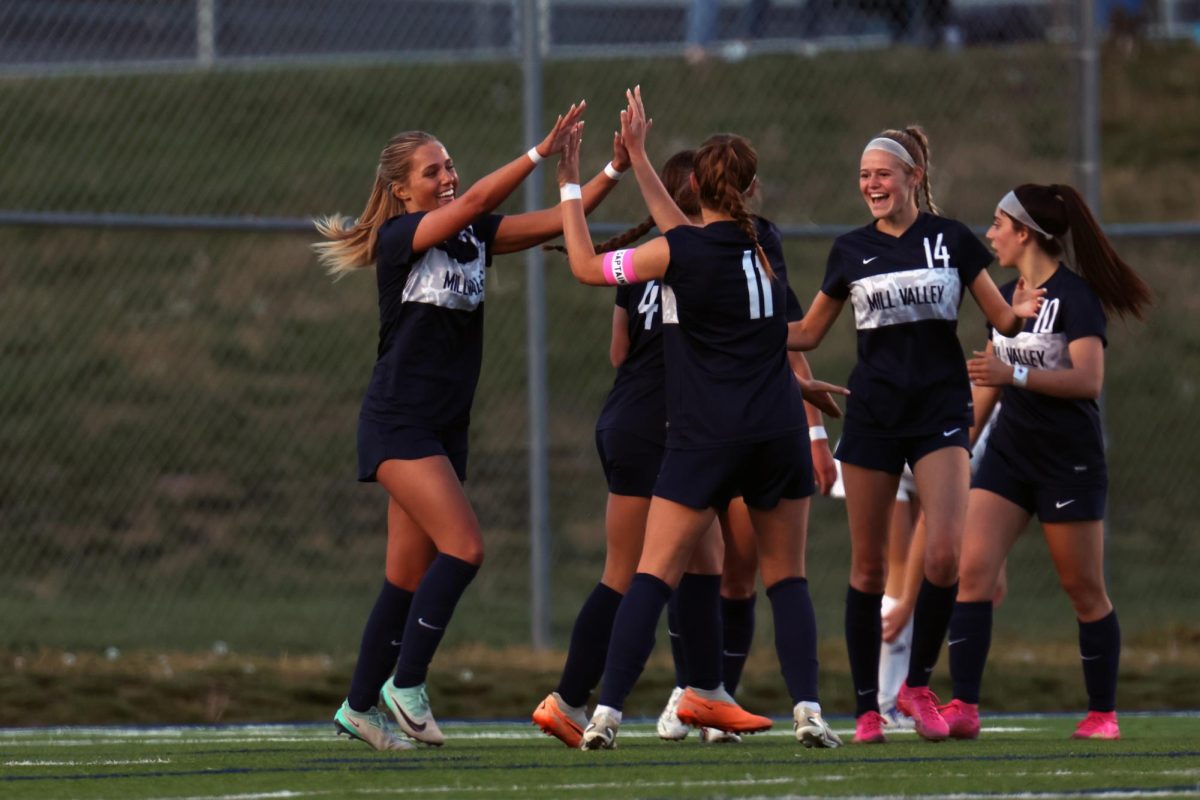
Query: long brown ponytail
[(726, 167), (1060, 210), (351, 243)]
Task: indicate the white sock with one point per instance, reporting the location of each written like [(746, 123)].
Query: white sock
[(612, 712), (811, 705)]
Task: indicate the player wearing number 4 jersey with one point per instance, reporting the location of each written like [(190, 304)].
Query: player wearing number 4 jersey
[(910, 402), (735, 416), (1045, 455)]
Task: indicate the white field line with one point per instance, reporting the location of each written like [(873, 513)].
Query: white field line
[(98, 762)]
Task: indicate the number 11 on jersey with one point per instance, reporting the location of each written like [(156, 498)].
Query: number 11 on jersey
[(757, 283)]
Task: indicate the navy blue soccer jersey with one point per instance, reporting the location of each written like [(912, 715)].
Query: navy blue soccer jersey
[(636, 403), (725, 336), (430, 324), (911, 376), (1051, 439)]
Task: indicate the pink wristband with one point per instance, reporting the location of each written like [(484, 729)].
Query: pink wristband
[(618, 267)]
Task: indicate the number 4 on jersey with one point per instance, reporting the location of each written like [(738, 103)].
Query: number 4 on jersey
[(649, 303), (938, 252)]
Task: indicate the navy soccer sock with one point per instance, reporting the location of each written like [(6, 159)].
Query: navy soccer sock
[(737, 624), (700, 626), (380, 646), (632, 637), (1100, 652), (864, 633), (796, 637), (970, 640), (931, 618), (678, 656), (432, 606), (589, 645)]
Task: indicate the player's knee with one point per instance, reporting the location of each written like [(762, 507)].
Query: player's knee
[(869, 577), (466, 548)]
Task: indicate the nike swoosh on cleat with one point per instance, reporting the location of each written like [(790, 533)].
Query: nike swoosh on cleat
[(411, 723), (1064, 503), (421, 621), (951, 432)]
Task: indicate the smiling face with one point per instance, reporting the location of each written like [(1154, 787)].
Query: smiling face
[(887, 184), (432, 180), (1007, 241)]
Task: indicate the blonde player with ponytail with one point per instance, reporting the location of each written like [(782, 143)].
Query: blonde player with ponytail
[(429, 247), (905, 274)]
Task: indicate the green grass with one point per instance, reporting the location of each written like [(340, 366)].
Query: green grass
[(177, 410), (1015, 757)]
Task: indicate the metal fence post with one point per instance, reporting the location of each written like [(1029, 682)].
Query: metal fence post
[(535, 310), (206, 32), (1087, 169)]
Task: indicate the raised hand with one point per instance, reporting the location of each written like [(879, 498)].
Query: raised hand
[(620, 159), (1026, 302), (557, 138), (819, 394), (634, 124), (568, 162)]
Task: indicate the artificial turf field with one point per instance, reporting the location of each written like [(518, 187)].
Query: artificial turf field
[(1016, 757)]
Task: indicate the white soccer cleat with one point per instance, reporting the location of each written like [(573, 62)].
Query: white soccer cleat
[(811, 728), (670, 727), (410, 708), (601, 732), (367, 726), (718, 736)]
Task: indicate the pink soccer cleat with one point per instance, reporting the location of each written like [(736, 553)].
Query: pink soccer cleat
[(921, 704), (868, 729), (1098, 725), (961, 718)]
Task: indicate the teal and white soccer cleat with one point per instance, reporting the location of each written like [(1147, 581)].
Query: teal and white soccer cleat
[(410, 708), (367, 726)]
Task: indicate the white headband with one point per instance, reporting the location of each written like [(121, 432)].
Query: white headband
[(890, 146), (1010, 205)]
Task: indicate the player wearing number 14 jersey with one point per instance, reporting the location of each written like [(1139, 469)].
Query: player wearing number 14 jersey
[(910, 402)]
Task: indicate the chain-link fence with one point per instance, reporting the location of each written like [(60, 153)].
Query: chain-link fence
[(179, 383)]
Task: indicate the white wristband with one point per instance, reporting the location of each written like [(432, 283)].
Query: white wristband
[(569, 191), (1020, 375), (612, 172), (535, 156), (817, 432)]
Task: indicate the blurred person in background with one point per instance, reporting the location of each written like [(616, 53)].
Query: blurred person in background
[(430, 248), (1045, 455), (744, 433), (910, 403)]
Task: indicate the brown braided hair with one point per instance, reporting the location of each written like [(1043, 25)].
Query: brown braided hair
[(675, 174), (726, 166), (1060, 210), (916, 142)]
